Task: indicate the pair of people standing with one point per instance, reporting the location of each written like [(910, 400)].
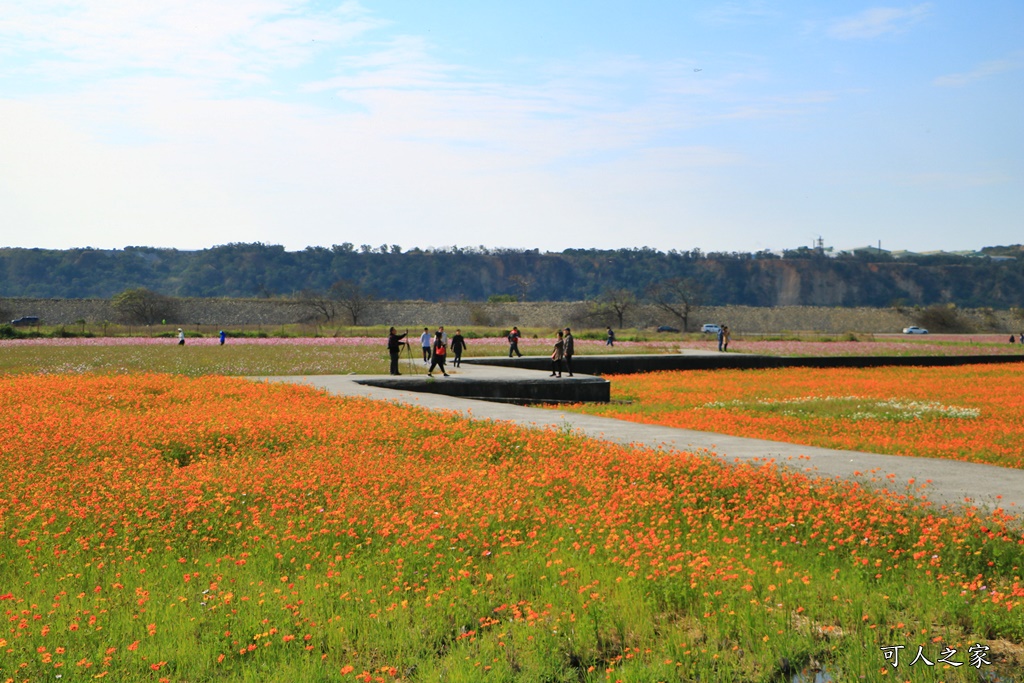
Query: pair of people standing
[(723, 338), (563, 353)]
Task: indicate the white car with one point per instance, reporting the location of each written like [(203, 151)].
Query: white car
[(711, 327), (914, 329)]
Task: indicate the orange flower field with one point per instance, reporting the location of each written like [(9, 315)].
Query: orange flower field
[(164, 528), (972, 412)]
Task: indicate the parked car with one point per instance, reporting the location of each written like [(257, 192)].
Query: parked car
[(667, 328), (711, 328), (914, 329), (25, 321)]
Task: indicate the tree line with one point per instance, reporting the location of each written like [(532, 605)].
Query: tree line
[(387, 272)]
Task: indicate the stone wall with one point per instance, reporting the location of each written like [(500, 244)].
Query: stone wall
[(742, 319)]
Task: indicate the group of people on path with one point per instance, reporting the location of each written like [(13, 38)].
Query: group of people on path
[(434, 347)]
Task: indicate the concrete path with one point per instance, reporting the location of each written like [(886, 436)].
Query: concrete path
[(951, 482)]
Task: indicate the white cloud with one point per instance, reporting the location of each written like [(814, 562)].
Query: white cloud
[(981, 72), (72, 39), (878, 21)]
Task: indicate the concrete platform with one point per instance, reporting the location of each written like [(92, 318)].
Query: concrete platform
[(503, 385), (715, 360), (526, 380)]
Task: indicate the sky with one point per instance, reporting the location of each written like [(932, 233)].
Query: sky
[(683, 124)]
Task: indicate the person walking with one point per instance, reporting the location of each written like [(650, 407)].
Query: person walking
[(721, 336), (725, 337), (181, 337), (610, 340), (223, 336), (513, 342), (425, 344), (438, 358), (557, 355), (395, 345), (458, 346), (569, 350)]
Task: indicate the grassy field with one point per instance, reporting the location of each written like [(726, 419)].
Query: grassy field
[(250, 356), (362, 350), (969, 412), (167, 528)]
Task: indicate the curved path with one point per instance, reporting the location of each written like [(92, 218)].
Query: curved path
[(949, 482)]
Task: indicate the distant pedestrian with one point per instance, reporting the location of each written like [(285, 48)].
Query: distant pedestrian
[(513, 342), (725, 337), (425, 344), (223, 336), (444, 335), (458, 346), (721, 336), (181, 337), (438, 357), (569, 350), (610, 340), (557, 355), (395, 345)]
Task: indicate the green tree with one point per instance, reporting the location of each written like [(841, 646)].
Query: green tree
[(144, 307)]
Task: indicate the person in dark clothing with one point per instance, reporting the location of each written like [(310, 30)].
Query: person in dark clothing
[(557, 355), (440, 351), (395, 345), (513, 342), (568, 350), (610, 339), (458, 346)]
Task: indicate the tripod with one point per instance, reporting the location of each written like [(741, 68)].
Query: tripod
[(408, 354)]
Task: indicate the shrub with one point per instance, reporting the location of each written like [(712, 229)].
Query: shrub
[(942, 318)]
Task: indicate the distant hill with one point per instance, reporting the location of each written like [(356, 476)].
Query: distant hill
[(993, 277)]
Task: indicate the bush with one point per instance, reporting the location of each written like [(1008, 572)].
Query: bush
[(7, 331), (942, 318)]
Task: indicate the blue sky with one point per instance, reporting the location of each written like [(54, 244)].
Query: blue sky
[(723, 126)]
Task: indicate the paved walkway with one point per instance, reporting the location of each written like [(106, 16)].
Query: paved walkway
[(952, 482)]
